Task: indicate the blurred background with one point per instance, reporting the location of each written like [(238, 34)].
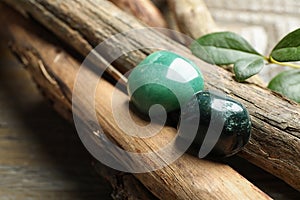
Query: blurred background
[(263, 23)]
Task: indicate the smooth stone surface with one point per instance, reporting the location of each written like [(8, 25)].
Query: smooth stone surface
[(218, 114), (161, 78)]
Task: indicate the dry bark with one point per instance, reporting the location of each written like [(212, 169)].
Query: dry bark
[(55, 70), (192, 17), (144, 10), (125, 185), (275, 142)]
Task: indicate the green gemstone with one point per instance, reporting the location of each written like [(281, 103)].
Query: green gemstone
[(164, 78), (219, 114)]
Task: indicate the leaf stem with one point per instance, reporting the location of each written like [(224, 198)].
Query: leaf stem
[(271, 60)]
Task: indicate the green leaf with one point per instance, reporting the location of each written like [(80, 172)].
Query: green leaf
[(248, 67), (288, 49), (287, 83), (223, 48)]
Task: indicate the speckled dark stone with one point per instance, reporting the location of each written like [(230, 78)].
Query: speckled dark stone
[(220, 113)]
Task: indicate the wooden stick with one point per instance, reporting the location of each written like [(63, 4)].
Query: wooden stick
[(125, 185), (187, 178), (275, 142), (193, 17), (169, 15), (144, 10)]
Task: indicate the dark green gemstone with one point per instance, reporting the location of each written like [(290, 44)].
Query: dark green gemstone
[(164, 78), (219, 116)]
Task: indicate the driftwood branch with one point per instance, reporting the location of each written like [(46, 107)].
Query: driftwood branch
[(192, 17), (275, 142), (125, 185), (144, 10), (187, 178)]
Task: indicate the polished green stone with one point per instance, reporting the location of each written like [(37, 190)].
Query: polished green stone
[(219, 113), (164, 78)]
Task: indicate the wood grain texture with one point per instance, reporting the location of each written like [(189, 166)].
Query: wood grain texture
[(275, 142), (193, 17), (143, 10), (125, 185), (187, 178), (18, 141), (41, 156)]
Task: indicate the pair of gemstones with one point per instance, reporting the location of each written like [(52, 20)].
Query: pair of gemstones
[(177, 84)]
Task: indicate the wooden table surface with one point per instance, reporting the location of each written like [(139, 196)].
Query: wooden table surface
[(41, 156)]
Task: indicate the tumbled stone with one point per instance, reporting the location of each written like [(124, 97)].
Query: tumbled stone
[(164, 78), (225, 119)]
